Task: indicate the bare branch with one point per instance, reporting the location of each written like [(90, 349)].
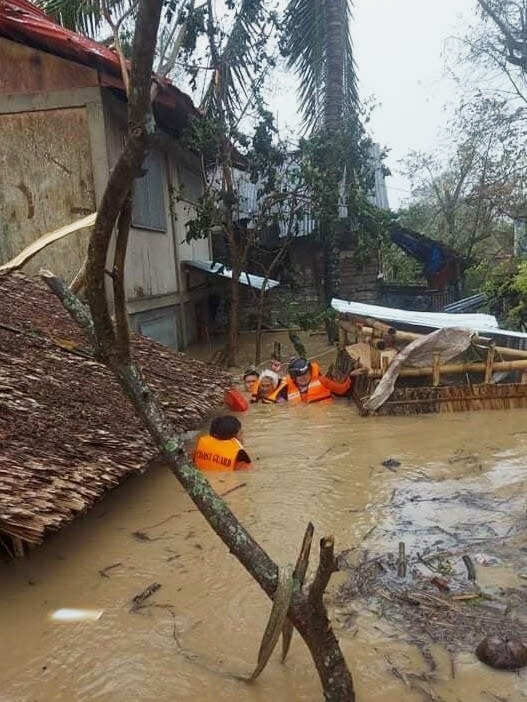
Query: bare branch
[(326, 567)]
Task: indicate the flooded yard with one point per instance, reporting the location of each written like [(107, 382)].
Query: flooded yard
[(316, 463)]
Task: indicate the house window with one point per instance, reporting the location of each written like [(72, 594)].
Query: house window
[(148, 208)]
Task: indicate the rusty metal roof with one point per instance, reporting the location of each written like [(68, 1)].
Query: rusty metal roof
[(23, 22)]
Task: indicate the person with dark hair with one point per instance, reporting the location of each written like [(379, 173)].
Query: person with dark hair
[(221, 449), (306, 383), (250, 379)]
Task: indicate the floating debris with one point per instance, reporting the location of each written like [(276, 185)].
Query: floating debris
[(391, 464), (76, 615), (502, 652)]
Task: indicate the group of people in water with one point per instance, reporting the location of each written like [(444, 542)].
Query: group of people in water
[(221, 449)]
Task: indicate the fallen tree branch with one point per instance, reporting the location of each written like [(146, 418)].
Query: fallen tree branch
[(299, 575), (45, 240), (326, 567), (311, 622), (144, 595)]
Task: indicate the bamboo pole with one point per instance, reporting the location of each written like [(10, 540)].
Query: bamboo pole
[(456, 368), (489, 363), (373, 326), (436, 369)]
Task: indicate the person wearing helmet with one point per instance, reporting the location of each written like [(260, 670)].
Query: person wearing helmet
[(306, 383)]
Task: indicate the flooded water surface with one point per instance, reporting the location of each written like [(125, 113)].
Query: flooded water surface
[(314, 463)]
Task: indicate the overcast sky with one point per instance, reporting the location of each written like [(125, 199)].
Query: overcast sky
[(400, 52)]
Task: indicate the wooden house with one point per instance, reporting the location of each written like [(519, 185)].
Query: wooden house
[(63, 121)]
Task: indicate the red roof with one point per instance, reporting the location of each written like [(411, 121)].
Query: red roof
[(23, 22)]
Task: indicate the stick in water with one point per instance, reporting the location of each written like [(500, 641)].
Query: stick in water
[(401, 563)]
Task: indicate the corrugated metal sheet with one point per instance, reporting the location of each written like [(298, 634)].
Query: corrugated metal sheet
[(249, 279), (467, 304), (419, 319), (485, 324)]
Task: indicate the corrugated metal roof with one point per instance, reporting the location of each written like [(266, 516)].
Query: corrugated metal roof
[(249, 279), (473, 302), (23, 22), (485, 324)]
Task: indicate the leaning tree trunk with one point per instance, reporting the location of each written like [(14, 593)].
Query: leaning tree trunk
[(111, 346)]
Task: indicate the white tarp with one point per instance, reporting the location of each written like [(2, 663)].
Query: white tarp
[(249, 279), (485, 324), (447, 342), (476, 322)]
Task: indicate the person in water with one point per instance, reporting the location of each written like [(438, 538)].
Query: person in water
[(269, 388), (250, 378), (221, 449), (305, 383)]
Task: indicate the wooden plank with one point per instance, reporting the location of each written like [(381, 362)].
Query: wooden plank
[(18, 547), (489, 363)]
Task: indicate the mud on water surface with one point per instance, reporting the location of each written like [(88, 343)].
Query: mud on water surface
[(460, 488)]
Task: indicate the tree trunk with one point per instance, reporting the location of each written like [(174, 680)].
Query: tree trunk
[(333, 121), (307, 611), (234, 318), (259, 324), (335, 37)]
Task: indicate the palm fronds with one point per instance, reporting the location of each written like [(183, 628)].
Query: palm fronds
[(237, 59), (305, 42), (83, 16)]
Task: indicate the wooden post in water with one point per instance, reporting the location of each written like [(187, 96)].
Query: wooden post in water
[(489, 363), (436, 376)]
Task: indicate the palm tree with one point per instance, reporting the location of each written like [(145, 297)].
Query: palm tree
[(318, 46)]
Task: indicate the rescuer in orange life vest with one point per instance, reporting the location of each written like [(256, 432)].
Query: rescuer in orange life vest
[(221, 449), (305, 383)]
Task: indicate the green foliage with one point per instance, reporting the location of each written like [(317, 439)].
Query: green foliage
[(400, 268), (84, 16), (506, 289), (304, 43)]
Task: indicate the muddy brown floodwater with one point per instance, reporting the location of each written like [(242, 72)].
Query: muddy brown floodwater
[(317, 462)]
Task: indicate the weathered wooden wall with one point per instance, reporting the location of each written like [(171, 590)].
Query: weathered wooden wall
[(153, 257), (45, 182), (26, 70)]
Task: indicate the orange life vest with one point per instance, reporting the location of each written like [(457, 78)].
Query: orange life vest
[(315, 392), (216, 454), (272, 397)]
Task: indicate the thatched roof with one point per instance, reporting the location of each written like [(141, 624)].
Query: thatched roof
[(67, 434)]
